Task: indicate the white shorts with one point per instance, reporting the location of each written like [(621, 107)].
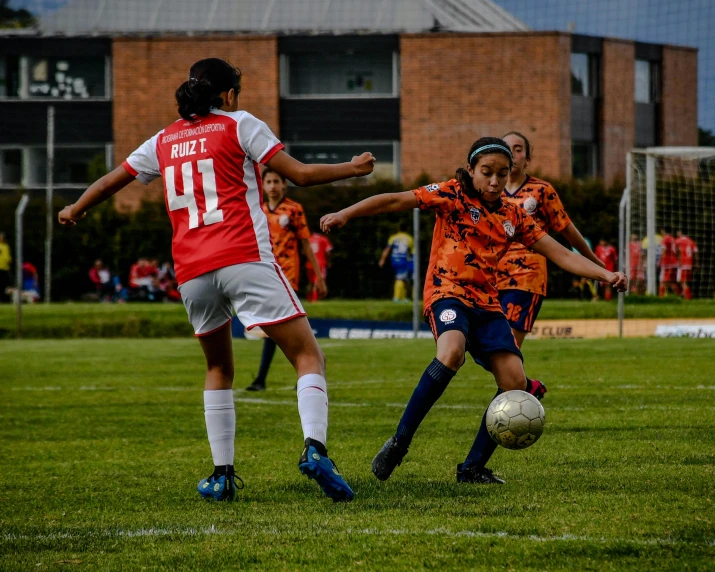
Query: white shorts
[(258, 292)]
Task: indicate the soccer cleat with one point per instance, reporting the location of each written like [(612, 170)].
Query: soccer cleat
[(475, 474), (319, 467), (536, 388), (387, 459), (220, 487), (256, 386)]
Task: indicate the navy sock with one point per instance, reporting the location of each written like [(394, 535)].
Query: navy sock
[(484, 446), (269, 350), (432, 384)]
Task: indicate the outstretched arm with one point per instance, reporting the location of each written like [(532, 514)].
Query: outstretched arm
[(385, 254), (576, 239), (305, 175), (577, 264), (385, 203), (97, 193)]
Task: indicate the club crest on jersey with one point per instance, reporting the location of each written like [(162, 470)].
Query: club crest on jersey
[(509, 228), (432, 188), (447, 316), (475, 214), (530, 205), (284, 220)]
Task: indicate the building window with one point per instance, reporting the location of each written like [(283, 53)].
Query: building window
[(646, 81), (583, 160), (345, 75), (9, 77), (10, 167), (67, 78), (584, 74), (386, 153)]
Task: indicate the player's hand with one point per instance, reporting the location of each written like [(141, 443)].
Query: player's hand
[(333, 220), (69, 217), (364, 164), (381, 264), (619, 281), (321, 287)]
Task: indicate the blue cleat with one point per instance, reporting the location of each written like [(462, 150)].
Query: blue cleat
[(220, 486), (319, 467)]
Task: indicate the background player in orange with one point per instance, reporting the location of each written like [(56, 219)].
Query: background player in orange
[(288, 229), (607, 254), (322, 248), (668, 263), (209, 162), (687, 260), (474, 229), (521, 274)]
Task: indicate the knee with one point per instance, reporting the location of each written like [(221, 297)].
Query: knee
[(453, 358), (512, 382)]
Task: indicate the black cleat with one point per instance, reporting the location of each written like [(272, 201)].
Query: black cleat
[(256, 386), (387, 459), (480, 475)]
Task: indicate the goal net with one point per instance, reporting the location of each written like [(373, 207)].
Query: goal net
[(667, 222)]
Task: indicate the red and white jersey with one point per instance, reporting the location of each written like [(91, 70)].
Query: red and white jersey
[(212, 188), (668, 252), (635, 251), (686, 252), (321, 247), (608, 255)]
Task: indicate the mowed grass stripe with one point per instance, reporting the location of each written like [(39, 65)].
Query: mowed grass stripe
[(101, 472)]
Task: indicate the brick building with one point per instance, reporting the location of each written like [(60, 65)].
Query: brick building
[(414, 85)]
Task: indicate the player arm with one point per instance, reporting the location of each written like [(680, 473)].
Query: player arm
[(305, 175), (576, 239), (310, 255), (577, 264), (97, 193), (385, 254), (384, 203)]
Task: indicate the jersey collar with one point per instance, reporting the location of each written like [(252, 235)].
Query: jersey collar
[(528, 178)]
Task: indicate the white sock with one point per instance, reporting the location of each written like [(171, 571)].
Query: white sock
[(313, 407), (220, 414)]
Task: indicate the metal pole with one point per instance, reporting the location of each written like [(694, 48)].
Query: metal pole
[(650, 223), (19, 211), (622, 248), (48, 200), (416, 306)]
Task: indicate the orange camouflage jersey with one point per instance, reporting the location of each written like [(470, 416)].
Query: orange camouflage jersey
[(287, 226), (469, 239), (521, 268)]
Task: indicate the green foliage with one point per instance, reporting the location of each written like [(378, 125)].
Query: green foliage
[(15, 18), (103, 442)]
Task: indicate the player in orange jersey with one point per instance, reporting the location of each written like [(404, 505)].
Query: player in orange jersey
[(288, 229), (521, 274), (687, 260), (474, 229), (209, 162)]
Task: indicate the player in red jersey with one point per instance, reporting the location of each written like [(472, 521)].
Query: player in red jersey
[(521, 274), (474, 229), (668, 263), (321, 247), (222, 252), (607, 254), (289, 230), (687, 260), (636, 265)]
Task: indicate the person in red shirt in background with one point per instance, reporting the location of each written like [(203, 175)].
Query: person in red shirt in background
[(687, 259), (607, 254), (321, 247), (636, 269), (668, 264)]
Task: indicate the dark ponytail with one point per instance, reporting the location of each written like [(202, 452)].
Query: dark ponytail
[(207, 80), (494, 146), (528, 146)]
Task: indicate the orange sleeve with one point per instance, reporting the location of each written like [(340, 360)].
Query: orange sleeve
[(437, 196), (554, 211), (527, 230), (300, 224)]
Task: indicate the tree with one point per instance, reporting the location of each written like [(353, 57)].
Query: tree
[(10, 18)]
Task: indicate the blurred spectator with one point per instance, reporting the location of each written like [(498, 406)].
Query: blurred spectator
[(101, 277), (5, 262), (321, 247), (399, 249), (636, 270), (687, 261), (607, 254), (30, 283), (167, 282), (143, 280), (668, 264)]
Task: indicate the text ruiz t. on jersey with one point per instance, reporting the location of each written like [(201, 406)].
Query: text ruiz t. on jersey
[(188, 148)]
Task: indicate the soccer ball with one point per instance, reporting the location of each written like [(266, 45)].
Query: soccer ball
[(515, 419)]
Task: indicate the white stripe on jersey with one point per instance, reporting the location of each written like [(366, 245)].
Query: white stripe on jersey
[(260, 222)]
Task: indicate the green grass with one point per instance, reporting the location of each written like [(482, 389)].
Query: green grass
[(102, 443), (146, 320)]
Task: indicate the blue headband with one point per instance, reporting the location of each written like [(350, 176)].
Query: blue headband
[(485, 147)]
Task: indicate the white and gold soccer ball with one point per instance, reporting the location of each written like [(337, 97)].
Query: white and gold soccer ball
[(515, 419)]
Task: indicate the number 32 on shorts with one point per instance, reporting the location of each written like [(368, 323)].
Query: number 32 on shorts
[(188, 200)]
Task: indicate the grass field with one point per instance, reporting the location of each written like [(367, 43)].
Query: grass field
[(102, 443), (148, 320)]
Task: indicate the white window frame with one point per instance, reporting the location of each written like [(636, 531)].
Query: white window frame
[(396, 162), (284, 70)]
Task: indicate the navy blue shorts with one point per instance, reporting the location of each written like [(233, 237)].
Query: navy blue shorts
[(520, 308), (486, 332)]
